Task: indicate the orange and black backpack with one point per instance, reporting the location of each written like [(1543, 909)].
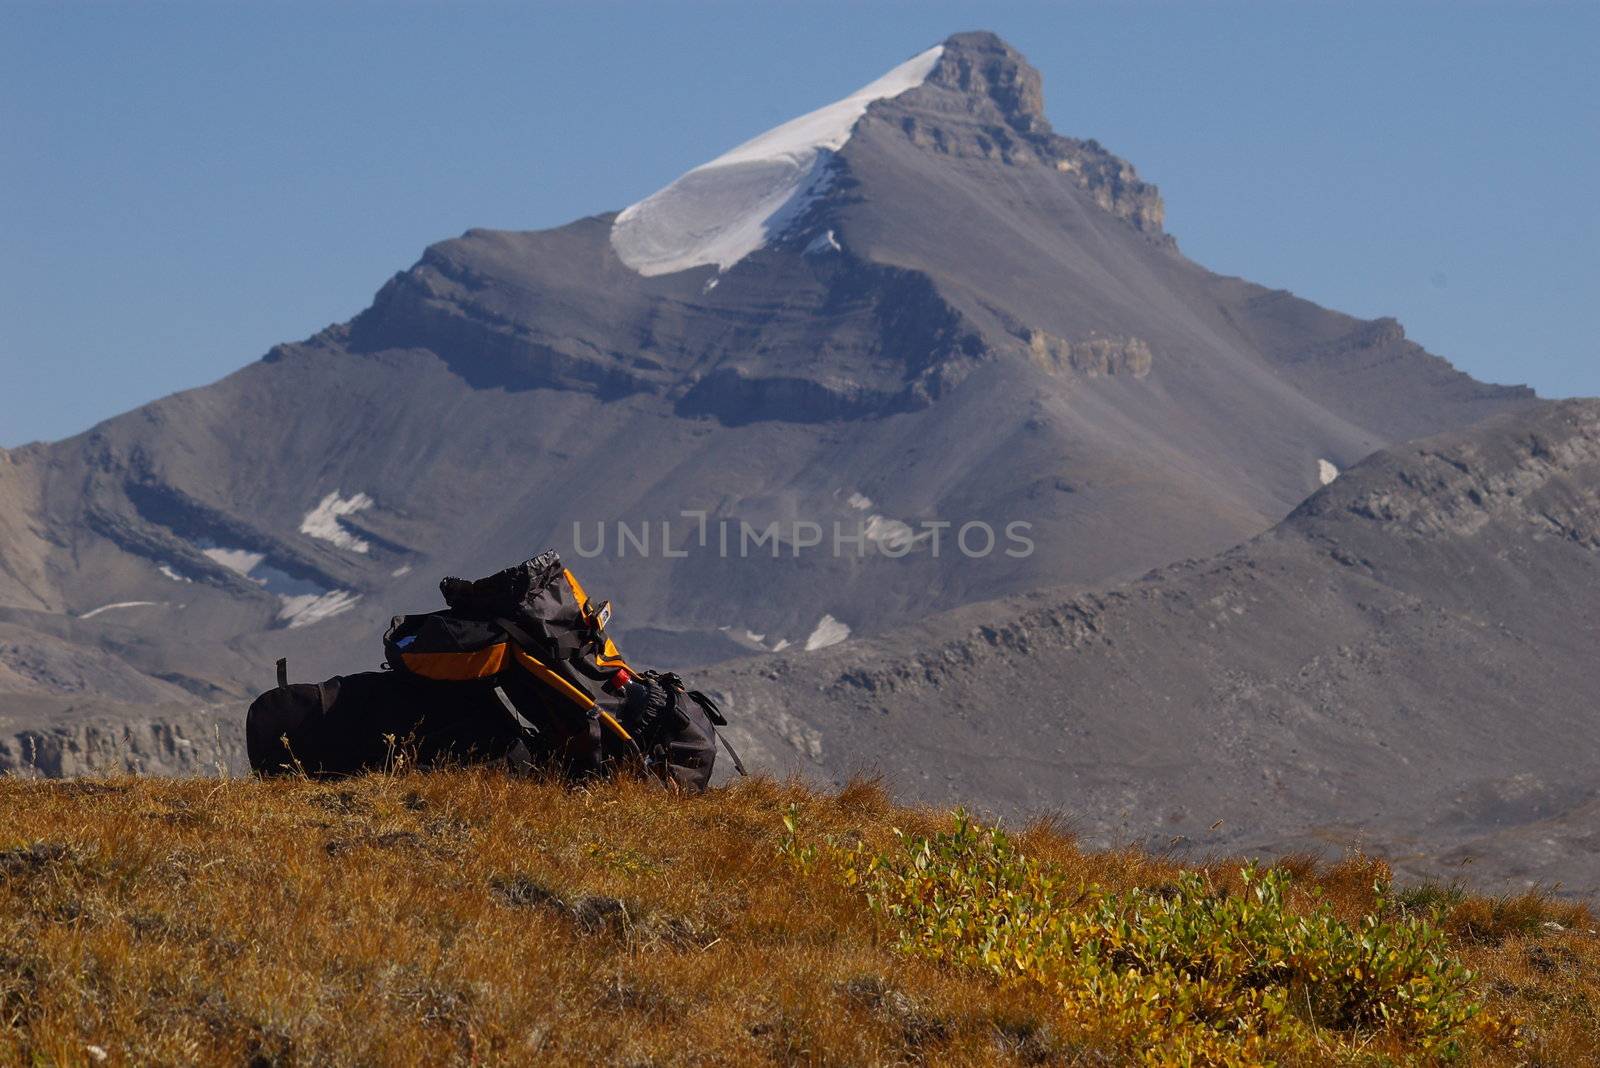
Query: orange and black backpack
[(518, 666)]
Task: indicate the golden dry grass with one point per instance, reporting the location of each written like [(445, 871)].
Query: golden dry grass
[(469, 917)]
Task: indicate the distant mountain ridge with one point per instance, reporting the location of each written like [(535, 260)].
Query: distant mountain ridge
[(1407, 662)]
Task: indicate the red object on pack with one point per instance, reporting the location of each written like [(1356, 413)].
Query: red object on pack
[(619, 679)]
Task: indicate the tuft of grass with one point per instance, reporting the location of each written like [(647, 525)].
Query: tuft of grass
[(470, 917), (1492, 920), (1431, 898)]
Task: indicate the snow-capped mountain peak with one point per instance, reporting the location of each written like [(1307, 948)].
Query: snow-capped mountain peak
[(721, 211)]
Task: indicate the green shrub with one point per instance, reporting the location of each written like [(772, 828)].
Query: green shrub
[(1186, 972)]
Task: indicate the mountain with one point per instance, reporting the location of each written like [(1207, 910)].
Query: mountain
[(916, 306), (1406, 662)]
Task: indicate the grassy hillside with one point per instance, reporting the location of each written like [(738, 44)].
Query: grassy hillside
[(473, 918)]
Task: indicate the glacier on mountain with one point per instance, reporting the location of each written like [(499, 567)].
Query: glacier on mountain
[(723, 210)]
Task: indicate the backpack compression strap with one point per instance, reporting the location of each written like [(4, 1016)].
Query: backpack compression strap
[(528, 732), (714, 714), (519, 648)]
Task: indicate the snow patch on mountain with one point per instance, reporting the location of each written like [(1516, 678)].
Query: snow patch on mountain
[(829, 631), (305, 609), (755, 641), (301, 602), (172, 573), (1326, 472), (239, 561), (892, 534), (120, 604), (824, 243), (723, 210), (323, 521), (253, 565), (283, 584)]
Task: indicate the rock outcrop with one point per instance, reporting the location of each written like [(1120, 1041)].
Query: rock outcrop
[(1090, 357), (67, 738)]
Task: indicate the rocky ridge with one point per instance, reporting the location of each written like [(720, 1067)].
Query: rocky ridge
[(1405, 662)]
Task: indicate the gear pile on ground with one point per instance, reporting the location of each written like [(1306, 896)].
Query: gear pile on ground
[(518, 668)]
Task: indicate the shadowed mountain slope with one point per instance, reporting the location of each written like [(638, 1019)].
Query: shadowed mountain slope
[(1407, 661)]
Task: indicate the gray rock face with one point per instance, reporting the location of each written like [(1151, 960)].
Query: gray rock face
[(974, 320), (1406, 662), (989, 104), (68, 738)]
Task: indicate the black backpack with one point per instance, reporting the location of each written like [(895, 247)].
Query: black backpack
[(518, 667)]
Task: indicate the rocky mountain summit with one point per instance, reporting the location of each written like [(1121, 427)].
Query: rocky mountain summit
[(1405, 663), (983, 99)]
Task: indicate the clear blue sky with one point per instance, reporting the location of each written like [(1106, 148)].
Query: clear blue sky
[(183, 185)]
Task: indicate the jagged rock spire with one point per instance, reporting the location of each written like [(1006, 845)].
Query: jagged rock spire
[(983, 66), (984, 98)]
